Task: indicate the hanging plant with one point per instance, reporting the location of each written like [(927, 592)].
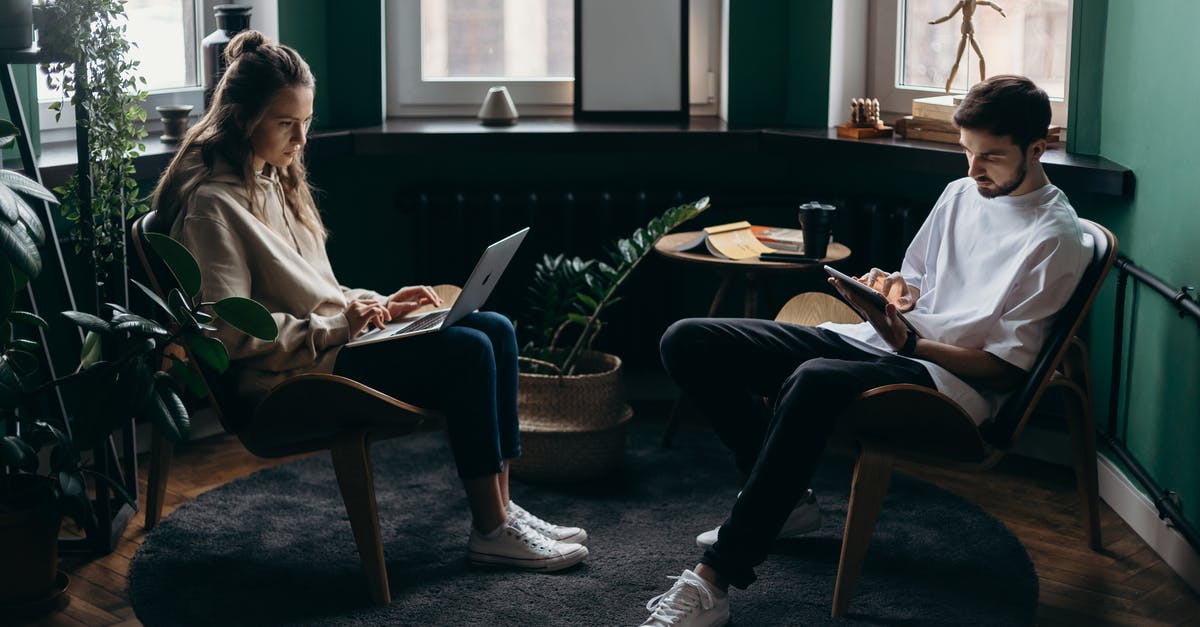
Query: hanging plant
[(104, 81)]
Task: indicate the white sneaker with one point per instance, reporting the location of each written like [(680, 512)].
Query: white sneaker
[(805, 518), (691, 602), (517, 545), (550, 530)]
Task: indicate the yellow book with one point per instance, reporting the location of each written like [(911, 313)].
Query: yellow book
[(728, 241)]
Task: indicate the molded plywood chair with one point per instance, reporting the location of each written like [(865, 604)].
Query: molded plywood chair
[(309, 412), (921, 424)]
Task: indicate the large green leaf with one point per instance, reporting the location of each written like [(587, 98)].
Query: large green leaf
[(134, 323), (10, 384), (19, 247), (181, 262), (87, 321), (8, 131), (209, 350), (91, 352), (248, 317), (181, 370), (26, 185), (155, 298), (16, 453), (168, 411), (25, 317)]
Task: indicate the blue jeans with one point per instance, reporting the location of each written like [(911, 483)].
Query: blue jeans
[(727, 366), (467, 371)]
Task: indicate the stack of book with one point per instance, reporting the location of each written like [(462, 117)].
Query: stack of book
[(932, 120)]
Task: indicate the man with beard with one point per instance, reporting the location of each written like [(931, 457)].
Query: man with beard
[(998, 257)]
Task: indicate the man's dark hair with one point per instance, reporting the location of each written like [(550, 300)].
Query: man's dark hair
[(1006, 105)]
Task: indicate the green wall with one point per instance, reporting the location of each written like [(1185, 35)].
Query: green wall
[(24, 77), (343, 44), (779, 62), (1149, 61)]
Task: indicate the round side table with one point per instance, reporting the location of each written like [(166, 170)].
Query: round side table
[(731, 269)]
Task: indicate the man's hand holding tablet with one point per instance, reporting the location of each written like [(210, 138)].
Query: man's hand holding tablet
[(866, 296)]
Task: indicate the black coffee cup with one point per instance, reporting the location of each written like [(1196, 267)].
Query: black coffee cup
[(817, 221)]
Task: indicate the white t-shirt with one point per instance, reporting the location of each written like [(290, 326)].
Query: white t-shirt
[(992, 274)]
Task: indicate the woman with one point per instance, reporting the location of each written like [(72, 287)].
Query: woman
[(237, 195)]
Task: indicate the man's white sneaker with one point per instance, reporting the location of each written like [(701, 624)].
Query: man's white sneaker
[(550, 530), (517, 545), (805, 518), (691, 602)]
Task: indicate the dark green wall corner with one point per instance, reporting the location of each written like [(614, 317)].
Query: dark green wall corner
[(343, 43), (25, 81), (779, 62)]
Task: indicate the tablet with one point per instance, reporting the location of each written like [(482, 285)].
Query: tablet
[(870, 294)]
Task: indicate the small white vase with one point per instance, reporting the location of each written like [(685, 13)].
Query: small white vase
[(498, 108)]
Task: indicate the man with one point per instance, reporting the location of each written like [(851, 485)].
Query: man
[(999, 255)]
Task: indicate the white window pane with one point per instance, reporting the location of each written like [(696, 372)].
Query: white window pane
[(164, 34), (1032, 41), (514, 39)]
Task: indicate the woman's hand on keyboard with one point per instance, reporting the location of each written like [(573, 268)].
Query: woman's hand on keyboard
[(363, 312), (407, 299)]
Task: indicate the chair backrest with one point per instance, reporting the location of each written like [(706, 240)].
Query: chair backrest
[(222, 389), (1019, 407)]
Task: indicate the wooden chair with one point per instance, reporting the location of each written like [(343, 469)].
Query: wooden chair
[(916, 423), (309, 412)]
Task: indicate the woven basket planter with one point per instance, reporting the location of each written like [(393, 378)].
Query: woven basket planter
[(572, 427)]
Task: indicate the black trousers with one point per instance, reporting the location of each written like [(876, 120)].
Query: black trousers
[(727, 366)]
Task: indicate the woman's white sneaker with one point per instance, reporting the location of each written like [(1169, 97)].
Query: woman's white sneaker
[(805, 518), (691, 602), (550, 530), (517, 545)]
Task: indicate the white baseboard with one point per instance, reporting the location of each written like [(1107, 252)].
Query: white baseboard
[(1138, 511), (1124, 497)]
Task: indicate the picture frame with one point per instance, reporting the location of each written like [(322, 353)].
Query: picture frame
[(631, 60)]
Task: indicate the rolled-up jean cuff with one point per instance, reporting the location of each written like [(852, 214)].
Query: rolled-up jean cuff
[(740, 579), (479, 469)]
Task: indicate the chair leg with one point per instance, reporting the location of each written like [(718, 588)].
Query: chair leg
[(1083, 452), (352, 464), (161, 451), (872, 474)]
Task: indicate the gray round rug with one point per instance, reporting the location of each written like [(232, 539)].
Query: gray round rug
[(276, 548)]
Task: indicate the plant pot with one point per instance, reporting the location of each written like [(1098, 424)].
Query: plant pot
[(573, 426), (29, 576)]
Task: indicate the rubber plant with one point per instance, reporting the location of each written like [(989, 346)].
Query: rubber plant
[(568, 296), (103, 80), (118, 374)]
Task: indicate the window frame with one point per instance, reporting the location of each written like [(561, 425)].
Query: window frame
[(409, 96), (883, 68), (63, 130)]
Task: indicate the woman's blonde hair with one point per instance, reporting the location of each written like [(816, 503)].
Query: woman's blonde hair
[(256, 70)]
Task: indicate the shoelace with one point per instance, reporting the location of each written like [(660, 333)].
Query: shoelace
[(523, 515), (526, 534), (674, 604)]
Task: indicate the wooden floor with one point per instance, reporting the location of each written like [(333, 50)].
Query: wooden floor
[(1127, 584)]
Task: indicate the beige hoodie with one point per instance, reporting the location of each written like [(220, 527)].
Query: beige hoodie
[(276, 262)]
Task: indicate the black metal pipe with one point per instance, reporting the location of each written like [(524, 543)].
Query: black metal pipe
[(1167, 509)]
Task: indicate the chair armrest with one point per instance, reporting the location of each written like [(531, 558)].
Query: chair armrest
[(916, 421), (306, 411)]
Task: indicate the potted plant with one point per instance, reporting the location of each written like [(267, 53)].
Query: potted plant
[(97, 76), (569, 399), (118, 376)]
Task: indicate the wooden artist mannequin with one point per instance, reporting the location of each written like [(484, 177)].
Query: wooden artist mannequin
[(968, 33)]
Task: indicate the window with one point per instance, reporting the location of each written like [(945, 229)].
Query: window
[(444, 54), (168, 35), (912, 59)]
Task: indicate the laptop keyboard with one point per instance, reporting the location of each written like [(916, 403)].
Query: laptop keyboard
[(428, 322)]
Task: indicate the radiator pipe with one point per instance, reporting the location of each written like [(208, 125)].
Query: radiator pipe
[(1166, 506)]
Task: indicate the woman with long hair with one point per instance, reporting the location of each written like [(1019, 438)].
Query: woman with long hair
[(237, 195)]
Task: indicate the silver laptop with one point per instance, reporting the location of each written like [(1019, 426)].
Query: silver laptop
[(474, 293)]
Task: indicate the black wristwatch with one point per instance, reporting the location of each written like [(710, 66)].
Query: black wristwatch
[(909, 349)]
